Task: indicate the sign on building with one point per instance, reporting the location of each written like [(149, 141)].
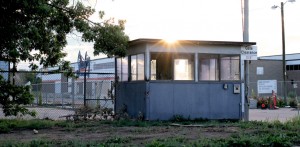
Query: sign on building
[(260, 70), (266, 86), (249, 52)]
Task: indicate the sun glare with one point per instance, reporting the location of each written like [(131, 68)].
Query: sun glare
[(170, 40)]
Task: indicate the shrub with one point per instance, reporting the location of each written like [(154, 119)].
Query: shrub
[(262, 102), (292, 94), (178, 118), (293, 103), (280, 102)]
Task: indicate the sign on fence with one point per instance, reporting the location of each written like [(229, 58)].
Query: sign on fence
[(266, 86)]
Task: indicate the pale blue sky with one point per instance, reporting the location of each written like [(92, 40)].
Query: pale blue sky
[(219, 20)]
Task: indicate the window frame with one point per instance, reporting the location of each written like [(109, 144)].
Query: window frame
[(218, 72), (239, 66), (172, 56), (136, 67), (120, 78)]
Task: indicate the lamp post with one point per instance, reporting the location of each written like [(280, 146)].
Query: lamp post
[(283, 46)]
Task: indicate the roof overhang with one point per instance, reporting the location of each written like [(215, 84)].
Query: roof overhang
[(195, 42)]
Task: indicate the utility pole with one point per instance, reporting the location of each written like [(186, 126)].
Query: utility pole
[(246, 62), (283, 52)]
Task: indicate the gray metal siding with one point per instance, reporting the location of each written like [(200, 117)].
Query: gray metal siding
[(193, 100), (133, 96)]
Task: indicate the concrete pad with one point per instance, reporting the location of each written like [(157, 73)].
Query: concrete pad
[(281, 114)]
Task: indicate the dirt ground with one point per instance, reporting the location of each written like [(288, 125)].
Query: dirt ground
[(136, 135)]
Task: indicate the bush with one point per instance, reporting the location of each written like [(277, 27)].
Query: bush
[(280, 102), (292, 94), (293, 103), (263, 103)]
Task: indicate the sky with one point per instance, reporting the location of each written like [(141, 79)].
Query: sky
[(217, 20)]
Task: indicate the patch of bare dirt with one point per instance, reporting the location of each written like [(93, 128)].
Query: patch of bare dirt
[(137, 135)]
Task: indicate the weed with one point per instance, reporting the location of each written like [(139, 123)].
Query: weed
[(155, 143), (7, 125), (117, 140)]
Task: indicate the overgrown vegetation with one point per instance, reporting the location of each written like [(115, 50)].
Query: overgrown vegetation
[(253, 133)]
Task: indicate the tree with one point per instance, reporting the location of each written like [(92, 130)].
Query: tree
[(35, 30)]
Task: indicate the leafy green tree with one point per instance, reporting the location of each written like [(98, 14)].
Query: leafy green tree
[(35, 30), (13, 97)]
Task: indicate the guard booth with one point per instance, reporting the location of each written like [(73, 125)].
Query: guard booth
[(191, 79)]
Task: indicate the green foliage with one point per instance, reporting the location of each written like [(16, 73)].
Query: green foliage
[(178, 118), (252, 133), (36, 30), (117, 140), (293, 102), (253, 95), (14, 97), (280, 102), (43, 25), (7, 125), (292, 94)]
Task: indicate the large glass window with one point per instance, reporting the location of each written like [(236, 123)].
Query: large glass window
[(161, 66), (133, 68), (119, 69), (184, 67), (137, 67), (167, 66), (122, 69), (208, 67), (141, 67), (230, 67)]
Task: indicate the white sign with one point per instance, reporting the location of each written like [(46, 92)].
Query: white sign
[(295, 85), (249, 52), (260, 70), (266, 86)]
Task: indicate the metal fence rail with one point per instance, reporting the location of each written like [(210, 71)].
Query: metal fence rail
[(62, 95)]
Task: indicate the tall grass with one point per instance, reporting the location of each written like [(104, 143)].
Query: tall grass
[(6, 125)]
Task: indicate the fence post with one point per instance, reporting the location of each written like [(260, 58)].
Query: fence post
[(37, 95), (47, 94), (73, 93), (62, 100), (84, 88), (54, 98)]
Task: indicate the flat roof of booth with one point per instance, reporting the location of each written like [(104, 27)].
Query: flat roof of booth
[(196, 42)]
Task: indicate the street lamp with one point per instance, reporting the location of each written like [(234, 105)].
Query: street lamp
[(283, 46)]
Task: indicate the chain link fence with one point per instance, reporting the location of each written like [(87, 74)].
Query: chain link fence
[(56, 95), (292, 88), (292, 91)]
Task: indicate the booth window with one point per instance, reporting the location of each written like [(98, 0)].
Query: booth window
[(208, 67), (168, 66), (161, 66), (230, 67), (183, 67), (137, 67), (122, 69)]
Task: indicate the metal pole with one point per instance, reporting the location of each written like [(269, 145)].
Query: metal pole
[(84, 88), (73, 93), (283, 53), (246, 62)]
